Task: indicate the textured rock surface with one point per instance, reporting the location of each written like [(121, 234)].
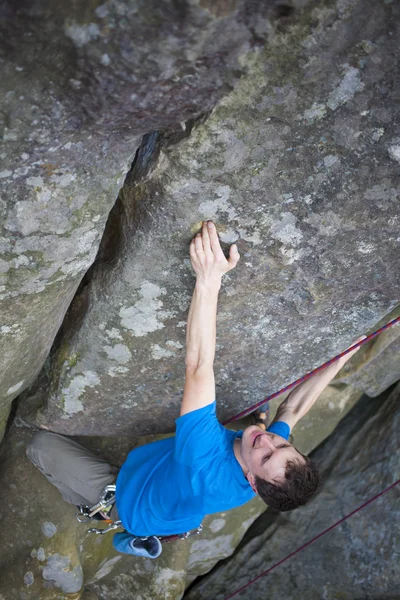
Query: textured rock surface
[(45, 552), (360, 558), (81, 83), (298, 165), (366, 372)]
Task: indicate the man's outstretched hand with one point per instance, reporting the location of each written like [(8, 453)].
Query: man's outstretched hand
[(207, 257), (343, 360)]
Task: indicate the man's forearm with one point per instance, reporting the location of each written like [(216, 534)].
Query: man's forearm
[(201, 325), (303, 397), (210, 264)]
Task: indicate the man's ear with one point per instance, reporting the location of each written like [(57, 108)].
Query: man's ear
[(251, 479)]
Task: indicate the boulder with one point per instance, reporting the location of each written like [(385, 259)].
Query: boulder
[(298, 166), (81, 84), (358, 559)]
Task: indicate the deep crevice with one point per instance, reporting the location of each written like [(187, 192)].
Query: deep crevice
[(124, 217), (125, 214), (112, 240), (144, 162), (11, 416)]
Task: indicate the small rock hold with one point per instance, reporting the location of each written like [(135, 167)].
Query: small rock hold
[(59, 572), (394, 152), (41, 555), (28, 578), (49, 529)]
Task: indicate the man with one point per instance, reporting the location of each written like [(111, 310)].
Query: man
[(168, 486)]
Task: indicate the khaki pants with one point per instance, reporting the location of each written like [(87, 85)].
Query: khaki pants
[(77, 473)]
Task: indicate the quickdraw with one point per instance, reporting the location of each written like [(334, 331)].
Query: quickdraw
[(103, 506)]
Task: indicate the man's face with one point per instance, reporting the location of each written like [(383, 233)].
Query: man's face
[(265, 455)]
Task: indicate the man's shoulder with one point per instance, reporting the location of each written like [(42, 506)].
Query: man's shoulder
[(207, 411), (280, 428), (200, 436)]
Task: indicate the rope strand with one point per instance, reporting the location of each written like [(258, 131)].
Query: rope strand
[(249, 410)]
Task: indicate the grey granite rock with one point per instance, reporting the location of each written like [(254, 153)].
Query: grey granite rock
[(81, 83), (366, 372), (294, 165)]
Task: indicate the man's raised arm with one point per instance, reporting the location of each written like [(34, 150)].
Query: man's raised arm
[(209, 264), (302, 398)]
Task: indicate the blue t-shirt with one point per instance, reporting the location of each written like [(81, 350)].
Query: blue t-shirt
[(168, 486)]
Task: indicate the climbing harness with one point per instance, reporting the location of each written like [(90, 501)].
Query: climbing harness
[(107, 497), (103, 506), (181, 536)]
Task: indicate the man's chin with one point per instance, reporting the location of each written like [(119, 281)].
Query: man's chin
[(249, 430)]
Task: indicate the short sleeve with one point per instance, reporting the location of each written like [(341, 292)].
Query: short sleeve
[(199, 436), (280, 428)]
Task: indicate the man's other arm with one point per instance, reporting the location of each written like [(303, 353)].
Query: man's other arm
[(209, 264), (304, 396)]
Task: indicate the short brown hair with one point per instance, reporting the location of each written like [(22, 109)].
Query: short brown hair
[(300, 484)]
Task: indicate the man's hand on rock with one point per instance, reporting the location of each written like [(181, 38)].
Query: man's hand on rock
[(343, 360), (207, 257)]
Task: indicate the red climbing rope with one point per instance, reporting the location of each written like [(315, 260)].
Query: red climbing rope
[(312, 540), (285, 389), (307, 375)]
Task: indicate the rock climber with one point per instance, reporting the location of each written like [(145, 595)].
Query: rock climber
[(168, 486)]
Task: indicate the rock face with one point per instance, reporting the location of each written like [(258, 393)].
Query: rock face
[(358, 559), (297, 164), (81, 84), (365, 372)]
